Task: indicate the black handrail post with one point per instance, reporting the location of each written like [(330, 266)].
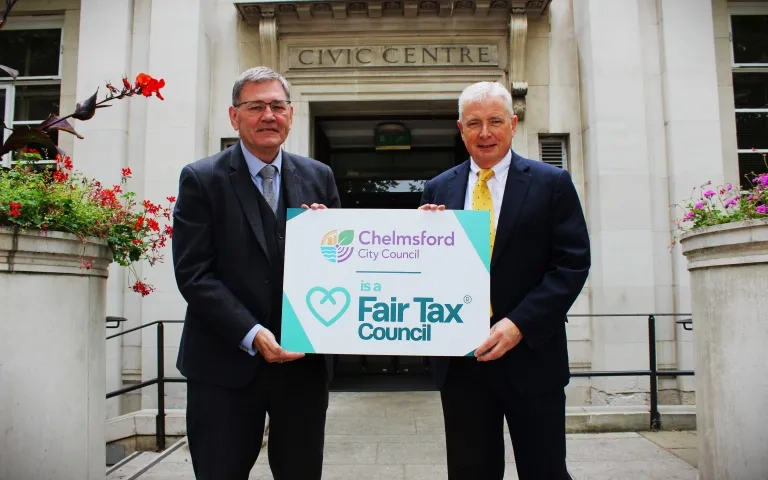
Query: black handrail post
[(160, 418), (655, 417)]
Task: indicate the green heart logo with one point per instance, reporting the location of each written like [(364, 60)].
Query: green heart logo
[(328, 296)]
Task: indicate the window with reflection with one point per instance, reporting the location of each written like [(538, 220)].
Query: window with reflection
[(749, 52), (36, 92)]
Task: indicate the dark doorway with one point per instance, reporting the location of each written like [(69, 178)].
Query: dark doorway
[(368, 177)]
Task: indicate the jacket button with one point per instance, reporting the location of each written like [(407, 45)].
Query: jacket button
[(266, 280)]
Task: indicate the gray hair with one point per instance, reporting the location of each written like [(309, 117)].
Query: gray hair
[(256, 75), (477, 92)]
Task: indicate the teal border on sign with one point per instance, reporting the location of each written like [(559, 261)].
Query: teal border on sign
[(292, 213), (293, 338), (477, 226)]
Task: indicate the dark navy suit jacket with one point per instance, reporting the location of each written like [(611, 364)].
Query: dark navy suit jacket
[(540, 262), (222, 264)]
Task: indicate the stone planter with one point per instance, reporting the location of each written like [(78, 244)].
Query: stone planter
[(52, 356), (729, 292)]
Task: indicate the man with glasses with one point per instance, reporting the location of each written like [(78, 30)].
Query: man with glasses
[(228, 250)]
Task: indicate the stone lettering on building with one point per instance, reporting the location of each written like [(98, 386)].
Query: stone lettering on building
[(393, 56)]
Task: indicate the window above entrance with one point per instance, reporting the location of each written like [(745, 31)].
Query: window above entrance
[(253, 11)]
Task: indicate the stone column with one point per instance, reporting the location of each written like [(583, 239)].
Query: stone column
[(692, 127), (180, 51), (104, 54), (299, 140), (552, 57), (618, 175)]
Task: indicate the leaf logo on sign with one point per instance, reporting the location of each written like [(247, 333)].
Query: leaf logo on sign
[(336, 246)]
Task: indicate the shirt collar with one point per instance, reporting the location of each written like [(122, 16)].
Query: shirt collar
[(500, 170), (255, 164)]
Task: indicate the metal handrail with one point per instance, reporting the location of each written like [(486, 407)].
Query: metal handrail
[(653, 371)]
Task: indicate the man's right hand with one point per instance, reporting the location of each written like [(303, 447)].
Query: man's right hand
[(431, 206), (264, 342)]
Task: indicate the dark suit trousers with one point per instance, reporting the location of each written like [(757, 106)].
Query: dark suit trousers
[(225, 426), (476, 397)]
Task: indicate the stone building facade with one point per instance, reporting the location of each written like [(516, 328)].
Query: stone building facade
[(641, 100)]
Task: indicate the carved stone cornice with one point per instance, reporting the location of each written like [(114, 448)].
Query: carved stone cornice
[(253, 11), (518, 40)]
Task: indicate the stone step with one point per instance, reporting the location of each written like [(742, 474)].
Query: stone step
[(136, 465)]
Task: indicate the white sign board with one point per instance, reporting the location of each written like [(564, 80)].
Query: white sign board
[(386, 282)]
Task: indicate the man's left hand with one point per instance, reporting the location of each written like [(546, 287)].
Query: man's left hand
[(504, 337), (314, 206)]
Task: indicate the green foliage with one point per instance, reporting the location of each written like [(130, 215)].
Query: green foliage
[(60, 199), (725, 204)]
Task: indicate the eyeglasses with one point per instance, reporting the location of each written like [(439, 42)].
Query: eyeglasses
[(258, 107)]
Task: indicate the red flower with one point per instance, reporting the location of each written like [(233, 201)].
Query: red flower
[(60, 177), (127, 172), (15, 209), (142, 288), (151, 208), (150, 85), (171, 199), (139, 223)]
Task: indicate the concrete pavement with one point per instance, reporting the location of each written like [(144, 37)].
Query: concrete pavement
[(399, 436)]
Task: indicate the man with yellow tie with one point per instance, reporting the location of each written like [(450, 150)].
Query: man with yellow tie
[(539, 263)]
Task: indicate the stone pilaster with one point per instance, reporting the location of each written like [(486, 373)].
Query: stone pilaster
[(268, 39), (103, 152), (518, 41), (691, 126), (618, 176)]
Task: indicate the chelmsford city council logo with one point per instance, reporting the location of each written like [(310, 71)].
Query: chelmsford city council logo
[(335, 245)]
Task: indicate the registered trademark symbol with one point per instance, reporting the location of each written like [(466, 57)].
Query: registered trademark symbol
[(467, 299)]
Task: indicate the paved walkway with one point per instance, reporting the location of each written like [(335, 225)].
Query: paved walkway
[(400, 437)]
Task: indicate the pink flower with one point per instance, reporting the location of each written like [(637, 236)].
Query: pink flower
[(732, 202), (762, 209), (709, 193), (729, 187), (699, 206), (689, 216)]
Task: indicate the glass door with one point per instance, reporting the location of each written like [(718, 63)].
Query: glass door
[(390, 178)]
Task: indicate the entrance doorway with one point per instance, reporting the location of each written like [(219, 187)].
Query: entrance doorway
[(390, 176)]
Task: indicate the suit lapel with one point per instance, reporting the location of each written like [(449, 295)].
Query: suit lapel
[(292, 182), (457, 187), (518, 181), (246, 192)]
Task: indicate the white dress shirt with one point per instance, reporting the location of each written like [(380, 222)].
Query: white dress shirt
[(496, 184)]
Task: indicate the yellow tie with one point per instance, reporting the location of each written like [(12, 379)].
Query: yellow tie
[(481, 200)]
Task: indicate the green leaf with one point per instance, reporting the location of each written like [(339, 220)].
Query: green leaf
[(346, 237)]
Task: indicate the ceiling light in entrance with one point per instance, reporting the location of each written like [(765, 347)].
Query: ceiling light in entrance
[(392, 136)]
